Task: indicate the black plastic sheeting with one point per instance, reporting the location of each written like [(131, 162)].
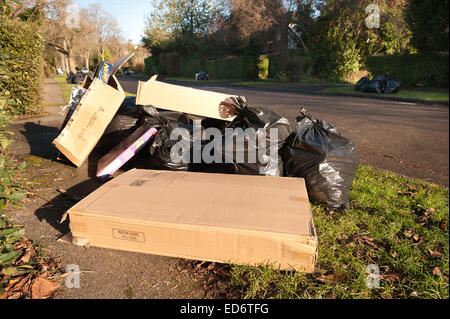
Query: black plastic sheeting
[(381, 84), (261, 119), (326, 159), (316, 151)]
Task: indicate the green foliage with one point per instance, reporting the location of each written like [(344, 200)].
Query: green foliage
[(413, 69), (243, 67), (190, 66), (21, 48), (151, 65), (428, 20), (289, 67), (397, 223), (263, 67)]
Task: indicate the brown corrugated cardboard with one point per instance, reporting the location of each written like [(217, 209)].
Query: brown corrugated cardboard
[(215, 217), (88, 122), (181, 99)]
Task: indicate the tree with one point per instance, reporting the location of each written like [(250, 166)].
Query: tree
[(428, 20), (180, 23)]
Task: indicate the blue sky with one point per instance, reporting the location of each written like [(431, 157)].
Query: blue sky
[(129, 13)]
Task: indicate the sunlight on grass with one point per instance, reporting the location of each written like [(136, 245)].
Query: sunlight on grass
[(397, 223), (419, 94)]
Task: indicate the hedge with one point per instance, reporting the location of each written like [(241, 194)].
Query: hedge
[(21, 65), (190, 66), (243, 68), (413, 69), (151, 65)]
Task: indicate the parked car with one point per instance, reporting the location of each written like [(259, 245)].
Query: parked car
[(129, 72)]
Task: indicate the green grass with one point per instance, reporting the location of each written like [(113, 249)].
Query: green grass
[(67, 88), (429, 95), (406, 224)]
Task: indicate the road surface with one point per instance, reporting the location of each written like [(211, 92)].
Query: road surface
[(411, 139)]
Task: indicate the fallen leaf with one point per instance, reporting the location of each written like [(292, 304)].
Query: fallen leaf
[(43, 288), (408, 233), (416, 238), (331, 278), (367, 240), (434, 253), (390, 277), (437, 271), (394, 254)]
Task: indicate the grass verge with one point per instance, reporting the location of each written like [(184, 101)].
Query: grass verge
[(427, 95), (24, 270), (396, 223), (274, 82)]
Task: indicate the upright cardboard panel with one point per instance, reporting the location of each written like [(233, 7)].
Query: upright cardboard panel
[(215, 217), (89, 120), (180, 99)]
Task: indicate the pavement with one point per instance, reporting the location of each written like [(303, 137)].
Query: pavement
[(105, 274), (410, 139), (407, 138)]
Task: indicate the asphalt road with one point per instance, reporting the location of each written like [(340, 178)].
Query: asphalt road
[(411, 139)]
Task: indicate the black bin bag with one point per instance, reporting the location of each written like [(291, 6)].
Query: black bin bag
[(248, 157), (158, 154), (324, 158), (361, 83)]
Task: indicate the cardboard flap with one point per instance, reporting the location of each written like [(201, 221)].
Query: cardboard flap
[(121, 61), (181, 99)]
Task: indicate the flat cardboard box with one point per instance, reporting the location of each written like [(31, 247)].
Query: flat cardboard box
[(181, 99), (88, 122), (239, 219)]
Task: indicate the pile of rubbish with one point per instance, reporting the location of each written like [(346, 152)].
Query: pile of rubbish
[(381, 84), (168, 128), (139, 132)]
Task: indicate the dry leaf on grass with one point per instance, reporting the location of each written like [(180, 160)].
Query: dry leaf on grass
[(434, 253), (367, 240), (437, 271), (331, 278)]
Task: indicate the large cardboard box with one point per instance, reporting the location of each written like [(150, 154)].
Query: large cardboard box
[(90, 118), (239, 219), (181, 99)]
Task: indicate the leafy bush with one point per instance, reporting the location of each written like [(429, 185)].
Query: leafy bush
[(21, 49), (243, 68), (412, 69), (263, 67), (286, 67), (190, 66), (151, 65)]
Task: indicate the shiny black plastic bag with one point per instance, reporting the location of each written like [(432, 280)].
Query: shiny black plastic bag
[(392, 86), (256, 118), (324, 158), (361, 83)]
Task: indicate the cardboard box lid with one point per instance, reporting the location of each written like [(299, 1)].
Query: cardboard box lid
[(181, 99), (247, 203)]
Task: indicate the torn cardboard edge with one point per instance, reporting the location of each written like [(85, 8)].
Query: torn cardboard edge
[(181, 99)]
